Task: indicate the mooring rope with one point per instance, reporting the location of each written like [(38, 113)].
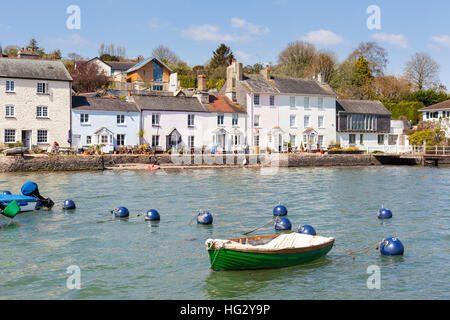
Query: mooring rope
[(269, 223)]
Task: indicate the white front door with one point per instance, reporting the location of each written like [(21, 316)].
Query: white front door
[(76, 141)]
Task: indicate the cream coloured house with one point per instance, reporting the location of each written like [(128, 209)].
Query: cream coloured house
[(35, 102)]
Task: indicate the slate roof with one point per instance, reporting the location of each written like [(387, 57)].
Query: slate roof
[(361, 107), (120, 65), (438, 106), (169, 103), (34, 69), (222, 104), (144, 62), (300, 86), (87, 103), (258, 84)]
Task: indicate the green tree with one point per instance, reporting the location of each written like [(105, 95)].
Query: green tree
[(428, 97), (362, 78), (222, 57), (33, 44)]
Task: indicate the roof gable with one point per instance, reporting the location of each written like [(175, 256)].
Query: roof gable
[(145, 62)]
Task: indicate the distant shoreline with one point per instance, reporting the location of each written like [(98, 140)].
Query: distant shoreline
[(45, 163)]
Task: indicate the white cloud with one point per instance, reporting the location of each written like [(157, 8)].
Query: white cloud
[(71, 39), (250, 27), (207, 32), (323, 38), (399, 40), (443, 40)]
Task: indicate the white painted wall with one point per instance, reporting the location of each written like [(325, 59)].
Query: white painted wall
[(268, 119), (25, 99), (210, 137), (107, 119)]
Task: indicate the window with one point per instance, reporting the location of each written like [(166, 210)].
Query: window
[(220, 119), (10, 86), (84, 118), (256, 120), (361, 139), (155, 119), (306, 121), (155, 141), (191, 141), (393, 139), (293, 121), (360, 122), (120, 119), (235, 119), (306, 102), (352, 139), (10, 136), (292, 102), (256, 138), (320, 141), (236, 140), (272, 101), (42, 88), (191, 120), (428, 115), (42, 112), (157, 72), (256, 99), (292, 140), (42, 136), (104, 139), (10, 112), (320, 121), (381, 139), (88, 140), (158, 88), (320, 103), (120, 139)]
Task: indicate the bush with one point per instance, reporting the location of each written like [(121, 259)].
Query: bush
[(409, 110)]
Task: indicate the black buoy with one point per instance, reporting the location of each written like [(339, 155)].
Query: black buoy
[(280, 211), (283, 224), (392, 247), (69, 205), (152, 215), (307, 230), (204, 218), (121, 213)]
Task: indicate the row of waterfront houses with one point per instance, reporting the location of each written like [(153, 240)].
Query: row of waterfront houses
[(251, 112)]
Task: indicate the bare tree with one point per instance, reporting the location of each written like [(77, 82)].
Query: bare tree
[(74, 56), (374, 54), (296, 58), (324, 64), (165, 54), (422, 71)]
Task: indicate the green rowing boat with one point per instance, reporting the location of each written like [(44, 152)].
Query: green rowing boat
[(267, 252)]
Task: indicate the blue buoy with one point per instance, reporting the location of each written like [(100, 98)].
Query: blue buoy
[(384, 214), (280, 211), (307, 230), (29, 188), (205, 218), (283, 224), (391, 247), (152, 215), (6, 193), (69, 205), (122, 212)]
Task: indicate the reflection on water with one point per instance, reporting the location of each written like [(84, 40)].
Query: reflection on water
[(168, 260)]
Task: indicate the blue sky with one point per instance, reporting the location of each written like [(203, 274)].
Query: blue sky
[(257, 31)]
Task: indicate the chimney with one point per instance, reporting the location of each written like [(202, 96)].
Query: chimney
[(202, 83), (234, 74), (266, 73)]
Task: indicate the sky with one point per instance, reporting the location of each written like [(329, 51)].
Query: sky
[(256, 30)]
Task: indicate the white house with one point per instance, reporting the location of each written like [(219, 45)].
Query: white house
[(173, 122), (439, 112), (35, 102), (283, 111), (109, 68), (109, 122)]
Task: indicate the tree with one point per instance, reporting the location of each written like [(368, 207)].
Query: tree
[(75, 56), (33, 44), (362, 78), (108, 57), (323, 63), (116, 53), (255, 69), (166, 55), (222, 57), (391, 88), (422, 71), (294, 61), (374, 54), (87, 77), (11, 51), (427, 97)]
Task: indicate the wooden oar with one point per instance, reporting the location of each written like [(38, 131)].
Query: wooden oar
[(271, 221)]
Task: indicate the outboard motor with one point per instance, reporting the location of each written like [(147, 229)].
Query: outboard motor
[(30, 189)]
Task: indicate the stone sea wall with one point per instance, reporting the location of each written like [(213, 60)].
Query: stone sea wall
[(80, 163)]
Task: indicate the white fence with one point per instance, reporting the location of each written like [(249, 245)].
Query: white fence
[(415, 150)]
